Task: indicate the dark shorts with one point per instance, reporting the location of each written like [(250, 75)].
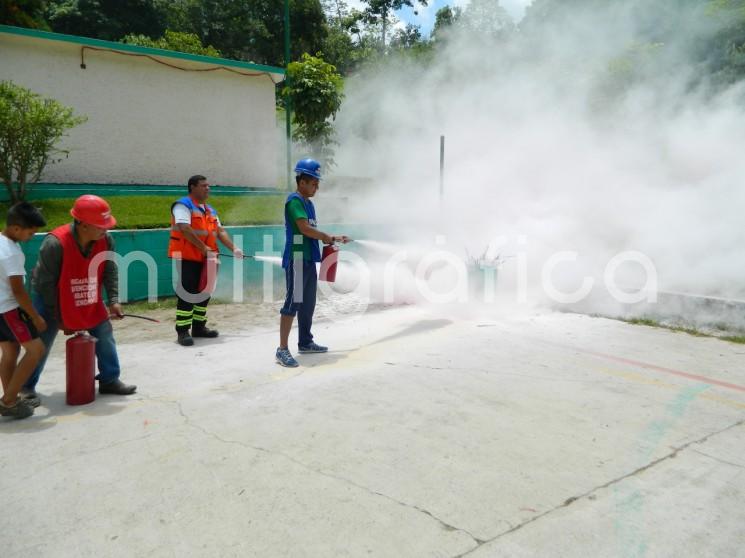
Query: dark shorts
[(302, 282), (16, 326)]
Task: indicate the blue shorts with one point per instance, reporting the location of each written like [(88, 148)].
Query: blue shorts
[(302, 299)]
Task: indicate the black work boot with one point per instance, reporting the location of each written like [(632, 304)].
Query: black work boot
[(184, 338), (117, 387), (203, 331)]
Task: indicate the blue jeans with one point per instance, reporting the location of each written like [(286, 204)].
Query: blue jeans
[(106, 355), (302, 283)]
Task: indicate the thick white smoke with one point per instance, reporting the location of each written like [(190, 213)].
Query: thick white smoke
[(584, 136)]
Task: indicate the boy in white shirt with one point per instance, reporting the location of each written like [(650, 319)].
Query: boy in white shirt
[(20, 323)]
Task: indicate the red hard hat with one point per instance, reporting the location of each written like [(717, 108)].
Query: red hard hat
[(93, 210)]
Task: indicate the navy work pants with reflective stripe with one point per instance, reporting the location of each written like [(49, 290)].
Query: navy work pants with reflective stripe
[(189, 312)]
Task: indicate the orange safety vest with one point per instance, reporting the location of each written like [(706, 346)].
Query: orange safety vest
[(204, 223)]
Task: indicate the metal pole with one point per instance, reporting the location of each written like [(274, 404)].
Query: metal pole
[(442, 166), (288, 98)]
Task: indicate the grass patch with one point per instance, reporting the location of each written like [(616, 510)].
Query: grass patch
[(167, 303), (151, 212), (690, 331), (642, 321), (164, 303), (735, 339)]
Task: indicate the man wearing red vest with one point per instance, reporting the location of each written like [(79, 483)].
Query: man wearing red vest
[(67, 294), (195, 230)]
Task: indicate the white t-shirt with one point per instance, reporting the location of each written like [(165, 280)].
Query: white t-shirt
[(12, 263), (182, 214)]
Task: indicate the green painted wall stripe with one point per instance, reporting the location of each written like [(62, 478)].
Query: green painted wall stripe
[(154, 242), (111, 45), (43, 191)]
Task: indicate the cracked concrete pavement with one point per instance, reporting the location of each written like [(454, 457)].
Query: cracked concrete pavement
[(423, 433)]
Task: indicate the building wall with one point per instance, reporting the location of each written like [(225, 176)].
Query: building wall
[(149, 123)]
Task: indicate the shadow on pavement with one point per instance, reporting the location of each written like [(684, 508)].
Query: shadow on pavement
[(317, 360), (422, 326), (53, 406)]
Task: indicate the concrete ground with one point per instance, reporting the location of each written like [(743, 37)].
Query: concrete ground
[(423, 433)]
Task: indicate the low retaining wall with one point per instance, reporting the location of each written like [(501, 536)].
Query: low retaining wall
[(146, 261), (44, 191)]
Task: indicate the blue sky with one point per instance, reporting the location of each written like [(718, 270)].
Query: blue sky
[(426, 17)]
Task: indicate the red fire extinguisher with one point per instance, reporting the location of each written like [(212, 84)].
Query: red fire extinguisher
[(329, 260), (81, 368)]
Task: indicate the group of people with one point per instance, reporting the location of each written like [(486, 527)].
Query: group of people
[(67, 291)]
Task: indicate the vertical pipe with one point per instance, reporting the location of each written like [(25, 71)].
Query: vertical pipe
[(288, 98), (442, 166)]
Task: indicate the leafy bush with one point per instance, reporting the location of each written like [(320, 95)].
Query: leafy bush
[(30, 128), (174, 40)]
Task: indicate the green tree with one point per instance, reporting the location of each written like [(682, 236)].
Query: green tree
[(637, 64), (487, 19), (339, 49), (342, 45), (336, 10), (251, 29), (316, 91), (23, 13), (409, 43), (706, 38), (408, 37), (557, 12), (380, 11), (445, 18), (726, 49), (234, 27), (174, 40), (106, 19), (482, 20), (30, 128)]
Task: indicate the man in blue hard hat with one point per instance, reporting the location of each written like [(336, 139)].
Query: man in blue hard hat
[(299, 259)]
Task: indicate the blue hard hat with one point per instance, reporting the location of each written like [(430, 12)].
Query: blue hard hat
[(311, 167)]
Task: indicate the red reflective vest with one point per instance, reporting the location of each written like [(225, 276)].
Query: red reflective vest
[(204, 223), (79, 288)]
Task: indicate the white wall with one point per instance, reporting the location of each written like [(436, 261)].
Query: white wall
[(148, 123)]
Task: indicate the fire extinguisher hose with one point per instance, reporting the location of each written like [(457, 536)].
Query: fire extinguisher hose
[(141, 317)]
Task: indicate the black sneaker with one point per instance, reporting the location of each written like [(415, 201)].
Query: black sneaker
[(312, 348), (204, 331), (19, 410), (184, 338), (30, 396)]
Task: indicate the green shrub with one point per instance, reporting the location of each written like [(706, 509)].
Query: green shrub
[(30, 128)]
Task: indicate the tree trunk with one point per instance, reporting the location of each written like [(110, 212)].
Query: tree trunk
[(385, 23), (11, 191)]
